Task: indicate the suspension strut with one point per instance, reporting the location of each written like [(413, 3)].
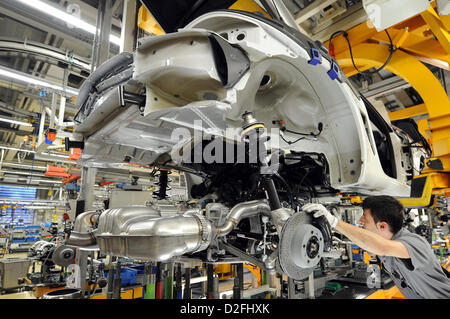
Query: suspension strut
[(252, 128), (163, 184)]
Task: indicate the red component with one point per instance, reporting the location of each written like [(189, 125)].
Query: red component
[(66, 216), (56, 174), (71, 179), (58, 169), (105, 183), (134, 165), (158, 290), (51, 135), (331, 51), (75, 154)]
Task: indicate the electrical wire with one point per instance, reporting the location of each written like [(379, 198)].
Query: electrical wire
[(291, 195), (392, 49), (291, 142), (304, 135), (320, 128)]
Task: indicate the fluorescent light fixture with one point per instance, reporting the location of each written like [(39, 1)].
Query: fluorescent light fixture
[(16, 149), (2, 119), (23, 77), (59, 14)]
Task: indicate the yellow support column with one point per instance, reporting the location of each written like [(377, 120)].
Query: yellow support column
[(438, 28), (408, 112), (424, 82), (406, 67)]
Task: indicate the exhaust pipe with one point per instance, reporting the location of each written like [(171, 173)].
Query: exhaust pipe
[(82, 234), (81, 239), (145, 233), (241, 211)]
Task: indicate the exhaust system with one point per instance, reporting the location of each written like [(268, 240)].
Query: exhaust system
[(144, 233)]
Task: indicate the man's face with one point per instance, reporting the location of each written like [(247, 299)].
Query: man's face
[(367, 221)]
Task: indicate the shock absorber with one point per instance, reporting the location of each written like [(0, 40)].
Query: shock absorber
[(253, 131), (163, 184)]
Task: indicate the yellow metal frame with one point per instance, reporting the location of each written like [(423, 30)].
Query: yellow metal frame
[(423, 38), (424, 200), (126, 293), (392, 293), (255, 271), (224, 271)]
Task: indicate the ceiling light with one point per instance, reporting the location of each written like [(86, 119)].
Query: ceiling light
[(23, 77), (62, 15), (2, 119)]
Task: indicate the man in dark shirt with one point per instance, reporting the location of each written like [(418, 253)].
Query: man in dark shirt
[(406, 256)]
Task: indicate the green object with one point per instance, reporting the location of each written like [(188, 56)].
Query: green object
[(169, 288), (150, 291), (264, 278), (333, 286)]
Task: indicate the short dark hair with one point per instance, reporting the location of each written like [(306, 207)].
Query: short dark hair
[(385, 209)]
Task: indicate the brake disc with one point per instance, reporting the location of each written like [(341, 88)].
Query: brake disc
[(63, 255), (301, 246)]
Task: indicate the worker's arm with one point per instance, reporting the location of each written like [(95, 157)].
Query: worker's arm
[(371, 241)]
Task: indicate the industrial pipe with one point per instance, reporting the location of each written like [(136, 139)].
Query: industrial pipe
[(79, 239), (82, 234), (241, 211)]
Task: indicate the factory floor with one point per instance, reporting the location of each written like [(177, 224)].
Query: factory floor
[(20, 293)]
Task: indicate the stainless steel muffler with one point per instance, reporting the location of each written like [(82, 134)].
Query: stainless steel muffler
[(141, 232)]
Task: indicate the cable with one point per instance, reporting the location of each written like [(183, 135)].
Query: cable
[(320, 128), (392, 49), (304, 135), (291, 142), (291, 195)]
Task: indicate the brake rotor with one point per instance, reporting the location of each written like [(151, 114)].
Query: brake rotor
[(63, 256), (301, 246)]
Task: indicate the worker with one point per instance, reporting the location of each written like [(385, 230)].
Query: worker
[(407, 257)]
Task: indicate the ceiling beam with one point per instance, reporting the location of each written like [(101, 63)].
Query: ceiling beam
[(16, 110)]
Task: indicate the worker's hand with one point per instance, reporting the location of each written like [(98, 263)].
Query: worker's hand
[(320, 210)]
